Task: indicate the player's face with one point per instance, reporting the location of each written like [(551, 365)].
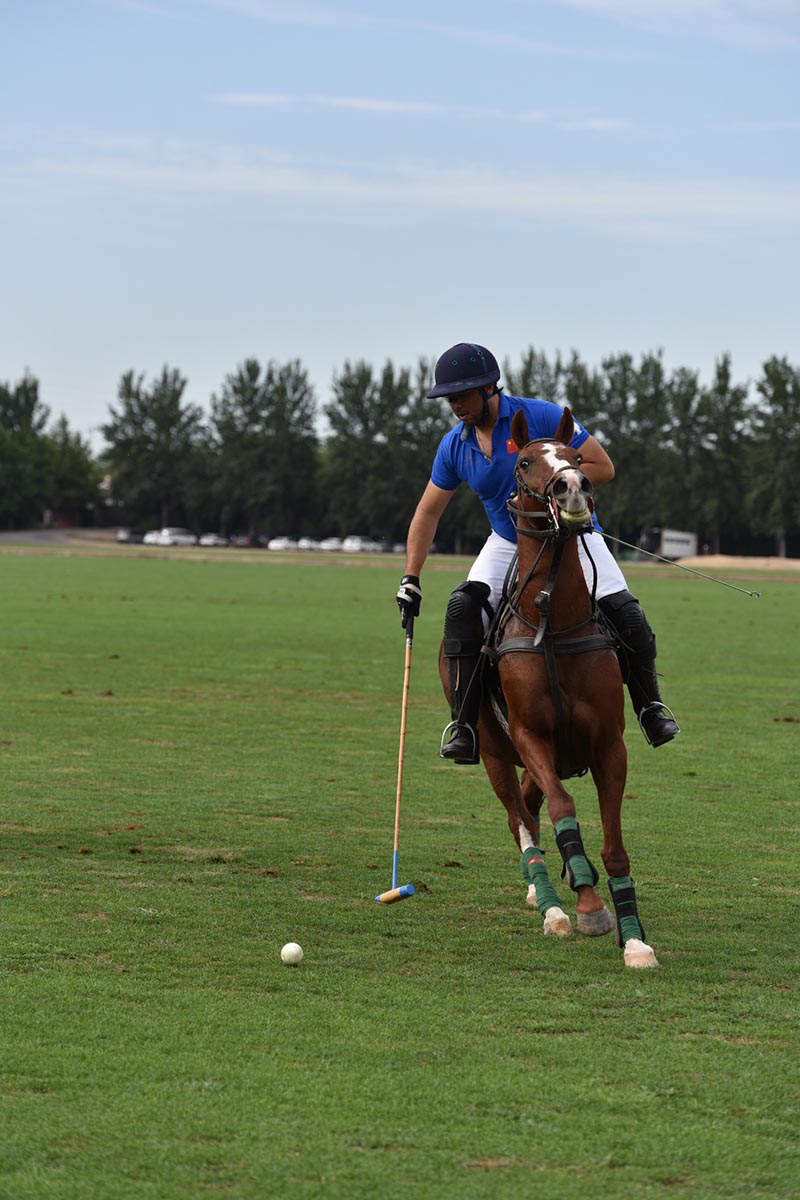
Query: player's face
[(467, 406)]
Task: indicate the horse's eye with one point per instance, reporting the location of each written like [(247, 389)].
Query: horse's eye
[(579, 459), (524, 463)]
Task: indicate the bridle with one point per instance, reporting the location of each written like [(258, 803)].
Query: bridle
[(545, 497), (555, 532)]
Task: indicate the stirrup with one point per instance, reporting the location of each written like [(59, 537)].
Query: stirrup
[(658, 707), (467, 757)]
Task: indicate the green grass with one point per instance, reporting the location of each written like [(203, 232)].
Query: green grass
[(198, 763)]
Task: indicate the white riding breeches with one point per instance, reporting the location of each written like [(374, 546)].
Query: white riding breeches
[(495, 557)]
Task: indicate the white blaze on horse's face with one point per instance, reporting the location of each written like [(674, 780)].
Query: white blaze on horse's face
[(570, 488)]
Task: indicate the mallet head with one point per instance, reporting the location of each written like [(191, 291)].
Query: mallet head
[(398, 893)]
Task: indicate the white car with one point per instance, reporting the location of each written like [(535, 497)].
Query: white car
[(306, 543), (359, 545), (170, 535), (281, 543), (212, 539), (331, 543)]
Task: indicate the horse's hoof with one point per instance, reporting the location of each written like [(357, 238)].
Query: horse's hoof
[(639, 954), (595, 924), (557, 922), (531, 896)]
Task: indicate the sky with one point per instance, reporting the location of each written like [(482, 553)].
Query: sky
[(196, 182)]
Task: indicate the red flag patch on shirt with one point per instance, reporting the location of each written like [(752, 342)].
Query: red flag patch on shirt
[(511, 446)]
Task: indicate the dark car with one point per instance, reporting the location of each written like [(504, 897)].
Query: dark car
[(130, 537)]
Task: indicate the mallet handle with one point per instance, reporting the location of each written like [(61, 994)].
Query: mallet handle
[(401, 751)]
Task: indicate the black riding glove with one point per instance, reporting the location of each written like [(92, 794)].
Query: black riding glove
[(409, 598)]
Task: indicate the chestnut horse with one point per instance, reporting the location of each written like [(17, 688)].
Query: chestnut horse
[(563, 692)]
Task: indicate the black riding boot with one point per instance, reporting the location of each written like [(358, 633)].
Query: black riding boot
[(637, 655), (465, 701), (463, 638)]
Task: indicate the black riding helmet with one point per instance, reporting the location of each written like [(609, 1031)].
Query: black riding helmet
[(462, 368)]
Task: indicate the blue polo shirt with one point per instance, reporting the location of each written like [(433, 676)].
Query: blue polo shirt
[(459, 458)]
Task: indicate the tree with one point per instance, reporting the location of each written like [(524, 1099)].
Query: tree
[(723, 436), (681, 460), (377, 460), (23, 454), (152, 438), (73, 475), (363, 467), (21, 410), (773, 498), (266, 447)]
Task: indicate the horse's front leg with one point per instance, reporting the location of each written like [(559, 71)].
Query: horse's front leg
[(532, 800), (522, 800), (502, 775), (609, 777), (539, 757)]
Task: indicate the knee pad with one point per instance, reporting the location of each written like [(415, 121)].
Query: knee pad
[(463, 622), (625, 613)]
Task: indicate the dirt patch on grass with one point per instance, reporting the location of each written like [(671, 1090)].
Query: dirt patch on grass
[(724, 562)]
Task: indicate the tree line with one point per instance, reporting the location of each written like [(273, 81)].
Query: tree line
[(719, 459)]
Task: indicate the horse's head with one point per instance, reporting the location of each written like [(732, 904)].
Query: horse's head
[(549, 478)]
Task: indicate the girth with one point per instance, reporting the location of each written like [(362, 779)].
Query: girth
[(559, 645)]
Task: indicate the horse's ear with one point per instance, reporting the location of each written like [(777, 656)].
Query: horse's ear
[(566, 428), (519, 429)]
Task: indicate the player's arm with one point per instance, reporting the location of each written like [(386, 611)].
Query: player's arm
[(596, 464), (424, 523)]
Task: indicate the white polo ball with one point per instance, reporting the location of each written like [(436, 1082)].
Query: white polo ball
[(291, 954)]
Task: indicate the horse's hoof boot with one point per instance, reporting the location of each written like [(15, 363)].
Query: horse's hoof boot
[(595, 924), (639, 954)]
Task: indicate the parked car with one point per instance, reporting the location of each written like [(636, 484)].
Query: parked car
[(331, 543), (243, 541), (170, 535), (130, 537), (281, 543), (353, 544), (307, 543), (212, 539)]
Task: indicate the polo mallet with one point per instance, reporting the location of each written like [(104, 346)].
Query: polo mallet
[(407, 889)]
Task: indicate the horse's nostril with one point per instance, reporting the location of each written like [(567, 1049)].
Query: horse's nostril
[(560, 487), (586, 486)]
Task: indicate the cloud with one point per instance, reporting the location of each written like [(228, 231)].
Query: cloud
[(381, 22), (596, 125), (758, 24), (365, 104), (369, 104), (649, 208)]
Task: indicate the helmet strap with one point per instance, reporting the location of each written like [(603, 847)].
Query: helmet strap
[(487, 393)]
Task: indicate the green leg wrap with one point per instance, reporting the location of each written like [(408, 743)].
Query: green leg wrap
[(577, 868), (623, 895), (534, 871)]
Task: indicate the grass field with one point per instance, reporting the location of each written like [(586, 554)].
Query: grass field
[(198, 764)]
